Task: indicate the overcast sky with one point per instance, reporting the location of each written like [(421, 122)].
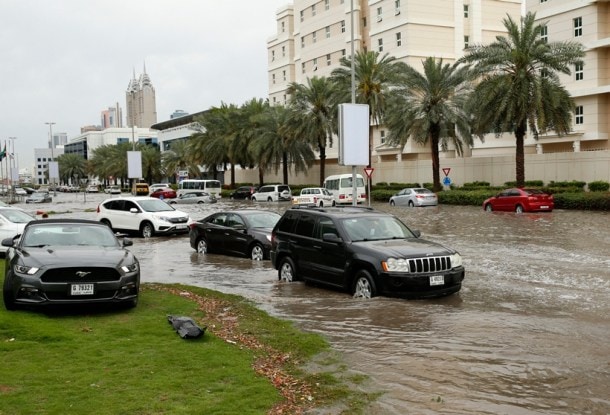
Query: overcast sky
[(67, 60)]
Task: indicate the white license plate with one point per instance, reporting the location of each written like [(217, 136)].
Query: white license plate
[(81, 289), (544, 207), (437, 280), (180, 226)]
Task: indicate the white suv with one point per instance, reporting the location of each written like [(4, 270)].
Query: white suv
[(272, 193), (146, 215)]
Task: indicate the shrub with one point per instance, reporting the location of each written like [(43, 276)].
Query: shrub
[(465, 197), (599, 186), (528, 183), (382, 195), (573, 183), (583, 201), (475, 185)]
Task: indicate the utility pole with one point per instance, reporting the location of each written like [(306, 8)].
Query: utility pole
[(50, 124)]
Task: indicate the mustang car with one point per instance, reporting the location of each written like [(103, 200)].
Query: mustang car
[(69, 261)]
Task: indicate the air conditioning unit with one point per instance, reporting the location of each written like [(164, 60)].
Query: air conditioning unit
[(379, 18), (396, 12)]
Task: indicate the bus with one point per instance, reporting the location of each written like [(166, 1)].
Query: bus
[(340, 186), (211, 187)]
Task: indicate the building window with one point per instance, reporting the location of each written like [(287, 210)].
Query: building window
[(328, 59), (283, 51), (283, 27), (466, 40), (272, 55), (273, 78), (342, 26), (364, 22), (398, 39), (578, 27), (542, 1), (302, 41), (342, 52), (379, 14), (313, 9), (302, 15), (303, 67), (327, 4), (327, 32), (465, 10), (580, 118), (382, 133), (579, 71), (314, 37), (397, 4), (315, 64), (284, 75), (274, 100), (380, 45), (544, 33)]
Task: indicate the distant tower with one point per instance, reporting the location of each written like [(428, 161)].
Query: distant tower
[(112, 117), (141, 101)]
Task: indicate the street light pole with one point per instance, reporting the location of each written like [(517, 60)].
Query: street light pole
[(50, 124), (10, 167)]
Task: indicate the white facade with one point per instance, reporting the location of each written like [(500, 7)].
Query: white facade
[(42, 157)]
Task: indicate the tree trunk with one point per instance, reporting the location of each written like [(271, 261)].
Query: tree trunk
[(322, 165), (519, 155), (285, 167), (232, 176), (436, 176), (370, 143), (261, 177)]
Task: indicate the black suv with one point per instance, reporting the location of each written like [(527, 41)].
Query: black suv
[(363, 251)]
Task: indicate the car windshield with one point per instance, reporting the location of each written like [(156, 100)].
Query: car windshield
[(155, 206), (262, 219), (16, 216), (376, 228), (68, 234)]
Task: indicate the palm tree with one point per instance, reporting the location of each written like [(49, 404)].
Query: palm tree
[(178, 157), (374, 75), (430, 108), (151, 162), (71, 167), (313, 111), (519, 85)]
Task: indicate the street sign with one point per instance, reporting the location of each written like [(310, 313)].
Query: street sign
[(446, 170), (368, 171), (447, 181)]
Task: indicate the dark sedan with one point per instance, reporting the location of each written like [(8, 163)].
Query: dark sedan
[(69, 261), (245, 232), (520, 200), (243, 192)]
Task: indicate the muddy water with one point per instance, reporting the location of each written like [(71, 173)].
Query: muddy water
[(528, 334)]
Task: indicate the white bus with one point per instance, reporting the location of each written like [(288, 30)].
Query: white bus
[(340, 186), (196, 185)]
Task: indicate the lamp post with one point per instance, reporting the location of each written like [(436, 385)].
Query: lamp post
[(10, 167), (50, 124)]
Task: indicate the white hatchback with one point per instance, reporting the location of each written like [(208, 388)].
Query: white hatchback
[(145, 215)]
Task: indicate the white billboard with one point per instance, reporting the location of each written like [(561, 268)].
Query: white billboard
[(353, 134)]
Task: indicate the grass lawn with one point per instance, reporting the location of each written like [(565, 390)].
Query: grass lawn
[(115, 361)]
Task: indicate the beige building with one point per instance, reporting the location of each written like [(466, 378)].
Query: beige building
[(141, 102), (312, 36)]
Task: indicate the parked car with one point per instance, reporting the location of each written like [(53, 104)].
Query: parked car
[(141, 189), (243, 192), (193, 198), (92, 189), (235, 232), (20, 191), (414, 196), (363, 251), (12, 222), (142, 214), (39, 197), (29, 190), (164, 193), (157, 186), (272, 193), (113, 190), (69, 261), (316, 196), (520, 200)]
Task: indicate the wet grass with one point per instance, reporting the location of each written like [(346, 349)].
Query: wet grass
[(110, 360)]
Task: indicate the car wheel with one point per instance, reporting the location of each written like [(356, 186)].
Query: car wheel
[(106, 222), (519, 209), (321, 203), (334, 203), (364, 287), (411, 204), (200, 202), (254, 199), (257, 252), (392, 203), (488, 207), (7, 294), (269, 199), (147, 230), (202, 246), (287, 270)]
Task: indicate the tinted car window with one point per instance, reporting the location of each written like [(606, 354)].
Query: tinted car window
[(305, 226), (326, 225), (287, 223), (283, 188)]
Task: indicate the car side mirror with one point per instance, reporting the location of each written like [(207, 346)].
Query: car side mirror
[(9, 241), (416, 232), (133, 210), (331, 237)]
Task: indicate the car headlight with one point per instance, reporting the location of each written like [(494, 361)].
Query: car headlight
[(164, 218), (268, 237), (395, 265), (130, 268), (22, 269), (456, 260)]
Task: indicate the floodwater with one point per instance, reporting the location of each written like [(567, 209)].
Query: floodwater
[(529, 333)]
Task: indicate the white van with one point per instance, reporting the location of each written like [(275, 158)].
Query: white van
[(340, 186), (212, 187)]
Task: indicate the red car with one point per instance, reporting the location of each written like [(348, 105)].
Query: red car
[(520, 200), (166, 193)]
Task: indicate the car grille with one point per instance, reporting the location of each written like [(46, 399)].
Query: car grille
[(431, 264), (178, 220), (95, 274)]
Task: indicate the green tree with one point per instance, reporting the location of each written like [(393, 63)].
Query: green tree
[(178, 157), (71, 167), (151, 162), (519, 84), (313, 110), (374, 76), (430, 108)]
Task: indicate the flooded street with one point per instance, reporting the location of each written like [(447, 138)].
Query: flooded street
[(529, 333)]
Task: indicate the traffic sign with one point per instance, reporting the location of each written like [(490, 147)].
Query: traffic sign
[(447, 181), (446, 170), (368, 171)]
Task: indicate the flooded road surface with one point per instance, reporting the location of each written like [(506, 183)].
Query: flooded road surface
[(528, 334)]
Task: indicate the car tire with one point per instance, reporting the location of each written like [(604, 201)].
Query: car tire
[(147, 230), (269, 199), (253, 199), (106, 222), (411, 204), (7, 295), (202, 246), (364, 286), (392, 203), (257, 252), (200, 202), (518, 209), (287, 271), (489, 208)]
